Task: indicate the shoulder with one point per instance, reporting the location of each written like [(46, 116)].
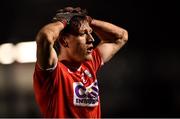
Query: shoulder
[(97, 56)]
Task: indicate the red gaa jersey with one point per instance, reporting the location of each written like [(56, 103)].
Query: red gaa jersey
[(62, 92)]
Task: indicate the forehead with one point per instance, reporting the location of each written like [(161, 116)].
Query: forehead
[(84, 26)]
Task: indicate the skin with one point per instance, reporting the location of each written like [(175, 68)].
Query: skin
[(79, 47), (76, 49)]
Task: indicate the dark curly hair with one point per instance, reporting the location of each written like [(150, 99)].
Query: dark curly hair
[(79, 15), (74, 16)]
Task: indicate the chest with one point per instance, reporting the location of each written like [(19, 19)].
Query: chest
[(83, 87)]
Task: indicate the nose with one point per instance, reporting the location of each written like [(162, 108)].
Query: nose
[(90, 38)]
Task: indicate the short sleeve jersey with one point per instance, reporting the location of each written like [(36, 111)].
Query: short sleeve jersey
[(64, 93)]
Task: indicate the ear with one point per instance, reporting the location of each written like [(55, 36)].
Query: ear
[(63, 41)]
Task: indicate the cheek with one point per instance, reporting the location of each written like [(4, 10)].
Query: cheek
[(78, 48), (81, 48), (81, 45)]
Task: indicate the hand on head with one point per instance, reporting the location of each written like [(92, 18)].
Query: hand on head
[(64, 15)]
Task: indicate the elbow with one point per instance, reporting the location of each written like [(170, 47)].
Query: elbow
[(125, 36), (122, 37)]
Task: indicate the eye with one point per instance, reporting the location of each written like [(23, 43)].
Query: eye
[(82, 34)]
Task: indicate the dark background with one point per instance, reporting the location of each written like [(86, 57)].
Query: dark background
[(142, 80)]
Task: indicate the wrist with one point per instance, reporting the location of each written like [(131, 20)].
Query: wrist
[(64, 22), (89, 19)]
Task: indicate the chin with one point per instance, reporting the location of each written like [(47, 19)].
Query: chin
[(88, 57)]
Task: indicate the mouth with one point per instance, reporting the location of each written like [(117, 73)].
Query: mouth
[(89, 49)]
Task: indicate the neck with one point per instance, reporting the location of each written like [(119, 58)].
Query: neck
[(69, 61), (73, 66)]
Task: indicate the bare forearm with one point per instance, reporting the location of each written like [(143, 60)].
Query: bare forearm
[(108, 32), (49, 33), (45, 40)]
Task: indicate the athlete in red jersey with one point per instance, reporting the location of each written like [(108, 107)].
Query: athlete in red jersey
[(65, 81)]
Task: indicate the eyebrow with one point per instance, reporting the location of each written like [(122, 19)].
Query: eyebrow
[(85, 29)]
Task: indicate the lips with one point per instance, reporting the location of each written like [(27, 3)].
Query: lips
[(89, 49)]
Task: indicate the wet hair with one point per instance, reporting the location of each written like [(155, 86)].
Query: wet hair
[(74, 24), (75, 18)]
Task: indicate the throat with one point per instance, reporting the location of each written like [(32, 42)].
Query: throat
[(73, 66)]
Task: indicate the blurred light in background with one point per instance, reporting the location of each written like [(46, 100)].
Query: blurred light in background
[(23, 52), (7, 53), (16, 84)]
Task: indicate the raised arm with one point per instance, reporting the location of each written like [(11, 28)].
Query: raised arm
[(45, 39), (112, 38)]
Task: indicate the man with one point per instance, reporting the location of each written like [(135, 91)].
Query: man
[(65, 81)]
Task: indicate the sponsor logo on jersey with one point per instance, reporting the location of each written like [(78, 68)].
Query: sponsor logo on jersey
[(86, 96)]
